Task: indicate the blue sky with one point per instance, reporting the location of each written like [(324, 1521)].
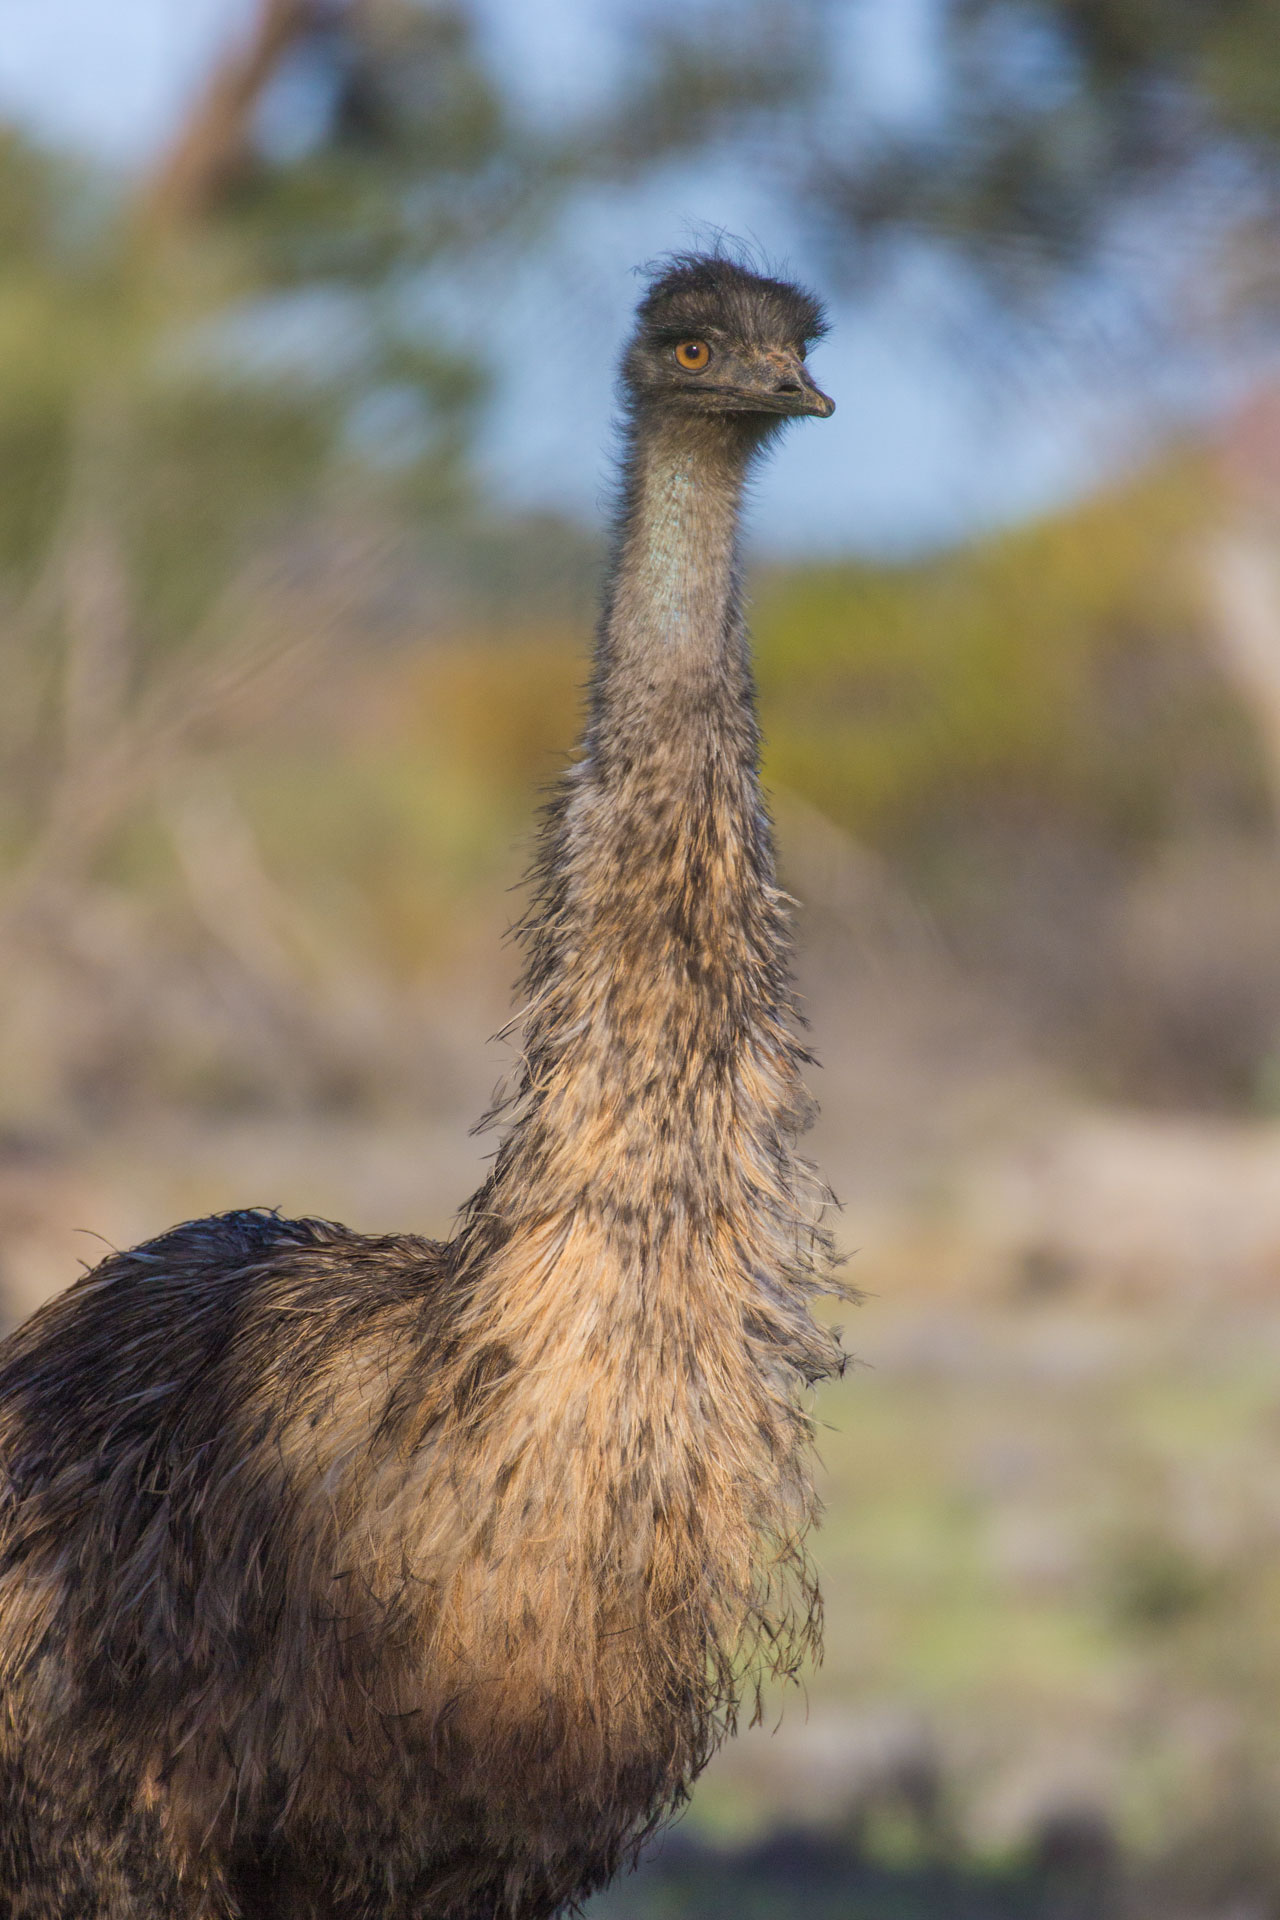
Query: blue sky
[(916, 453)]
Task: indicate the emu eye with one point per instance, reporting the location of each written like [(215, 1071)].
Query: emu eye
[(693, 355)]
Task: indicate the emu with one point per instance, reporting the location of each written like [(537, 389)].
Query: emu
[(362, 1578)]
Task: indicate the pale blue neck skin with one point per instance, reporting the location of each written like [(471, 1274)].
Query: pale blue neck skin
[(675, 589), (667, 573)]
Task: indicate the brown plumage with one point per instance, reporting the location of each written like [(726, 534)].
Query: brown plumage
[(345, 1578)]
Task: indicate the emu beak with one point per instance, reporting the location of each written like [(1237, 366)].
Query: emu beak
[(792, 389), (815, 401)]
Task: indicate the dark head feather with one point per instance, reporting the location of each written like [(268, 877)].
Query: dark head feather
[(689, 292)]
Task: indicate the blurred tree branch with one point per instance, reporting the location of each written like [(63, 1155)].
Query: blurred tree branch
[(213, 143), (253, 645)]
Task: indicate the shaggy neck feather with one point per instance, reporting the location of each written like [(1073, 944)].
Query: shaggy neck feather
[(656, 948)]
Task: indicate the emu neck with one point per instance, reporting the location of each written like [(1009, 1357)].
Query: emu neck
[(671, 632), (656, 1056)]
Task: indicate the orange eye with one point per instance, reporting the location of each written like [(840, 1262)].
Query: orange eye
[(693, 355)]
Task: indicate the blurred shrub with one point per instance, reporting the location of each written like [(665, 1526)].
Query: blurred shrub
[(1152, 1583), (1038, 731), (1060, 672)]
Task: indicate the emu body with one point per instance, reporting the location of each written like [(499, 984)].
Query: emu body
[(345, 1577)]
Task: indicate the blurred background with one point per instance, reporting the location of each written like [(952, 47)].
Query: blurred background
[(308, 314)]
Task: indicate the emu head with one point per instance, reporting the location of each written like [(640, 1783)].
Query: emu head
[(714, 338)]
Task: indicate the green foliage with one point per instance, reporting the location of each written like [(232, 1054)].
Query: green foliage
[(1245, 85), (1154, 1584), (1062, 671), (419, 153), (1053, 118)]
